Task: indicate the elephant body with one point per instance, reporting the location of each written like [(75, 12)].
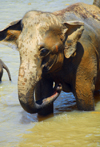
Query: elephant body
[(2, 65), (58, 51)]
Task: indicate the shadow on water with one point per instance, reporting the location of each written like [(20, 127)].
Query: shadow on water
[(64, 103), (28, 118)]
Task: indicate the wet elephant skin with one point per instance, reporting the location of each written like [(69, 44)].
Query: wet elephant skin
[(58, 51)]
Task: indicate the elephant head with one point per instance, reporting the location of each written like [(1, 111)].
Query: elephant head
[(43, 43)]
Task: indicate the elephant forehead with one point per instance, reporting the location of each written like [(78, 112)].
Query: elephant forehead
[(27, 41), (36, 23), (32, 18), (34, 26)]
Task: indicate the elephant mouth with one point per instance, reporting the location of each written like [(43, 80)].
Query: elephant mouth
[(55, 93)]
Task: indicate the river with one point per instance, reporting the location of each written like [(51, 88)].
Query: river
[(67, 127)]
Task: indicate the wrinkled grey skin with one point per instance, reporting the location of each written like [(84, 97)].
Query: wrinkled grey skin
[(61, 47), (2, 65)]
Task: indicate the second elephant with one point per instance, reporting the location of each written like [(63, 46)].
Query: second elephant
[(2, 65)]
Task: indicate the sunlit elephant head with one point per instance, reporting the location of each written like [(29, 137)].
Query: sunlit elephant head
[(43, 42)]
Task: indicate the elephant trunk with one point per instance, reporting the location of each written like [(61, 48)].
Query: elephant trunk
[(27, 81)]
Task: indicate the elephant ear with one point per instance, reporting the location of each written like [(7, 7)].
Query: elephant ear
[(10, 34), (72, 31)]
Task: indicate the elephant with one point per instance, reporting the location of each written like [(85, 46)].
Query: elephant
[(2, 65), (59, 51)]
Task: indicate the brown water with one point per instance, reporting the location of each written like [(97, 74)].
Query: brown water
[(68, 127)]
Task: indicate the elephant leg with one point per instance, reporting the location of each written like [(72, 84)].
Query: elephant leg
[(97, 85), (1, 76), (84, 97), (1, 73), (44, 89), (85, 81), (84, 90)]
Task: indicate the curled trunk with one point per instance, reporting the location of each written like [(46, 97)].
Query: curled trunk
[(27, 82)]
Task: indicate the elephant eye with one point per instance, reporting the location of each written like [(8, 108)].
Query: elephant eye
[(44, 52)]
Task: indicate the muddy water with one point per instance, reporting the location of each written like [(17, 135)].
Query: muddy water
[(68, 127)]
